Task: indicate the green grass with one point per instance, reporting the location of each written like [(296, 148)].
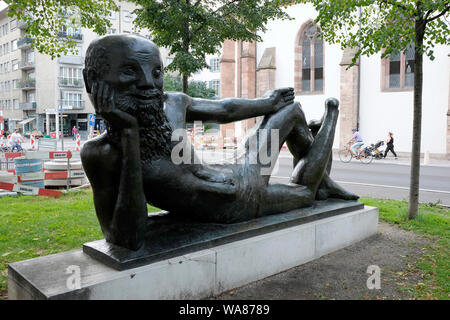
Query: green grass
[(37, 226), (33, 226), (433, 223)]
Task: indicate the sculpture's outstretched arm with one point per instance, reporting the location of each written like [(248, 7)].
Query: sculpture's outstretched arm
[(235, 109)]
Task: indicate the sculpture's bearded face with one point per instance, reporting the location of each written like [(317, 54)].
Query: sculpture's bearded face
[(133, 70), (135, 74)]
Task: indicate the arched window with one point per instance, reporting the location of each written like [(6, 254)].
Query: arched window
[(309, 60), (398, 70)]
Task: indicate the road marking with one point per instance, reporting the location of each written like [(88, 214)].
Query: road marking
[(377, 185)]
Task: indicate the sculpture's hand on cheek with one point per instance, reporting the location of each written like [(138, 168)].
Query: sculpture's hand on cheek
[(103, 97)]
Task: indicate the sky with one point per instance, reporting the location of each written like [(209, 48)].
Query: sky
[(2, 5)]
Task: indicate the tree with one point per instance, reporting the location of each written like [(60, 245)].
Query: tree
[(196, 89), (48, 20), (390, 27), (194, 28)]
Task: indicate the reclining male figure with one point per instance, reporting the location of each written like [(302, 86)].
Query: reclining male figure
[(130, 165)]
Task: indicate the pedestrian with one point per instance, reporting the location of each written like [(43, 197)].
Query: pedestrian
[(390, 145), (357, 142), (16, 140), (74, 132)]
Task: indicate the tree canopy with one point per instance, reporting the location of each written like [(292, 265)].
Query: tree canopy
[(387, 26), (194, 28), (197, 89), (46, 19)]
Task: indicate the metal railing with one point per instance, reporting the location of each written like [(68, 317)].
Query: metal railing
[(26, 64), (27, 105), (71, 104), (27, 84), (24, 42), (70, 82), (75, 36)]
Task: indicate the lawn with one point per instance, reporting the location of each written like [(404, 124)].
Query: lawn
[(33, 226), (38, 226), (433, 223)]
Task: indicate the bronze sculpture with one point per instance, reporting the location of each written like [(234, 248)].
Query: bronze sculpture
[(130, 165)]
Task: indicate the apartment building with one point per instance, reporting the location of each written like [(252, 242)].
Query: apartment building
[(34, 88)]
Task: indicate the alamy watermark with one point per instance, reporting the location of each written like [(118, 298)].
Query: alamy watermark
[(73, 282), (374, 280), (261, 148)]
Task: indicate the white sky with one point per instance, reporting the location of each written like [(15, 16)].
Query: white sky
[(2, 5)]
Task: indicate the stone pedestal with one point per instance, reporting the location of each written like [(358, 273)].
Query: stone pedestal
[(200, 274)]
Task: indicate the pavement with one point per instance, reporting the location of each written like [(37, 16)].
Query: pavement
[(342, 275)]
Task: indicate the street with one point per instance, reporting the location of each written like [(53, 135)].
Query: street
[(382, 179)]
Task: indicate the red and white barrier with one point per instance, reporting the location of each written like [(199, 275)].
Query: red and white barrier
[(78, 142), (2, 126), (13, 182), (33, 142), (28, 189), (39, 155), (33, 176)]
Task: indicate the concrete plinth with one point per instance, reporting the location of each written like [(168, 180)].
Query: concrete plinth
[(201, 274)]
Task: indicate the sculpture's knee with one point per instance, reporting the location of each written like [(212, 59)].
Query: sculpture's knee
[(295, 111)]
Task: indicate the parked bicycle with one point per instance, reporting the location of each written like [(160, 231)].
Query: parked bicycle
[(365, 154)]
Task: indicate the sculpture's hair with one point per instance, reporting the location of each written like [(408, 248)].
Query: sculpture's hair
[(97, 59)]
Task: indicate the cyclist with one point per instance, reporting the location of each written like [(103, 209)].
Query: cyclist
[(356, 141)]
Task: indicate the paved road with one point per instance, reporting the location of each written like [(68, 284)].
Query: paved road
[(379, 179), (382, 180)]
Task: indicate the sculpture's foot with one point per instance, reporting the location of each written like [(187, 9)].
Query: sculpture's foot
[(330, 189)]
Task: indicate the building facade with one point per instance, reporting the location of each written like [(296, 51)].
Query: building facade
[(376, 95), (33, 86)]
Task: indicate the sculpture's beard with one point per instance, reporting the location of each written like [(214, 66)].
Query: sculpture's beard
[(154, 129)]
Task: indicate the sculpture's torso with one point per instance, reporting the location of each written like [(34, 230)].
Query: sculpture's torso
[(216, 193)]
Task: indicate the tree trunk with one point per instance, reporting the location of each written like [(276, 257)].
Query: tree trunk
[(184, 83), (417, 121)]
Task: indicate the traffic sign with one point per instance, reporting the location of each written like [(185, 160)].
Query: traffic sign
[(92, 119)]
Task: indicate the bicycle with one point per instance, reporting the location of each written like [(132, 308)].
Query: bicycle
[(365, 156), (346, 154)]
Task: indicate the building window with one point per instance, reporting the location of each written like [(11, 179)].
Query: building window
[(13, 24), (15, 65), (15, 84), (214, 65), (111, 31), (16, 104), (70, 76), (398, 70), (215, 85), (14, 45), (72, 99), (309, 60), (6, 66)]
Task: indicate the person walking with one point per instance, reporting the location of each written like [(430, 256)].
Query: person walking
[(74, 132), (357, 142), (390, 145), (16, 140)]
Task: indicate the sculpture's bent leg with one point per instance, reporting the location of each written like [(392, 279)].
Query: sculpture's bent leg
[(308, 172)]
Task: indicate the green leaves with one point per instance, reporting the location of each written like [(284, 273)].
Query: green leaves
[(197, 89), (192, 29), (46, 18), (387, 26)]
